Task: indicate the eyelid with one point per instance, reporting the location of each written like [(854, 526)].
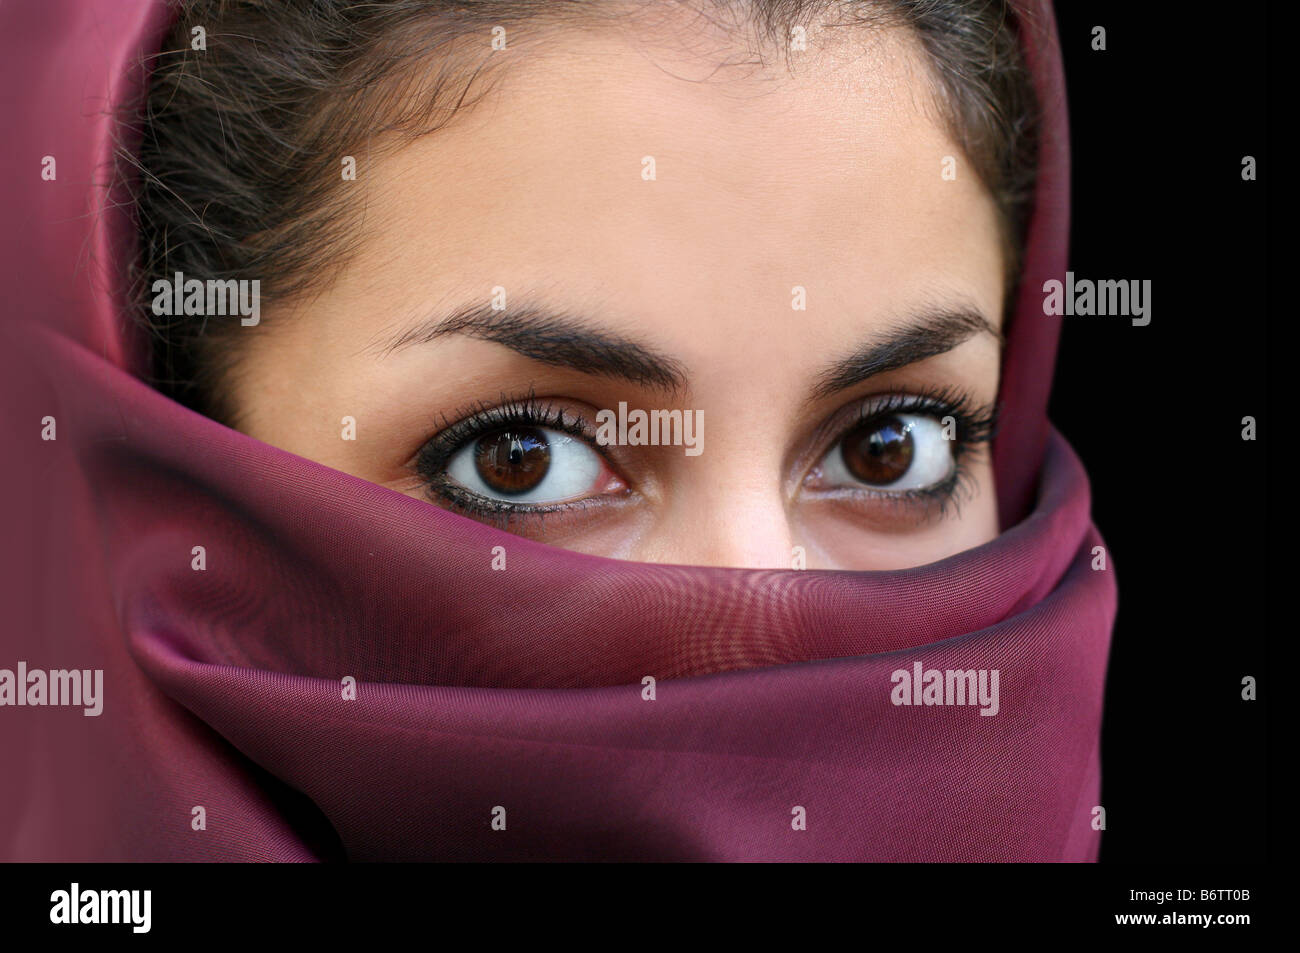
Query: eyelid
[(976, 423), (430, 462), (916, 506), (512, 410)]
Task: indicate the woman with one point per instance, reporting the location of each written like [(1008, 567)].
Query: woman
[(508, 261)]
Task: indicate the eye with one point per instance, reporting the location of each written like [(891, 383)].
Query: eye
[(526, 465), (895, 452)]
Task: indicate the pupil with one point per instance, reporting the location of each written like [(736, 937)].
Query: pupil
[(879, 452), (513, 461)]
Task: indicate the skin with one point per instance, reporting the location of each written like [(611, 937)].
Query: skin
[(828, 178)]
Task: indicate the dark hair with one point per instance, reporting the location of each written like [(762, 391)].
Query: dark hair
[(237, 173)]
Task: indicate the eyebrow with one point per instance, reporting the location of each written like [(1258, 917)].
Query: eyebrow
[(562, 340), (557, 339), (926, 334)]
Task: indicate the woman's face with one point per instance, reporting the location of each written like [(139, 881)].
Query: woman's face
[(780, 257)]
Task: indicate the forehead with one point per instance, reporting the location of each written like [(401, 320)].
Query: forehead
[(663, 184)]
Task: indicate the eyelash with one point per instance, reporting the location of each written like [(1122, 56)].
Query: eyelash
[(471, 422), (976, 426)]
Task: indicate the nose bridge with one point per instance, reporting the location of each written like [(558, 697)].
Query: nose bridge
[(729, 516), (754, 535), (727, 506), (759, 538)]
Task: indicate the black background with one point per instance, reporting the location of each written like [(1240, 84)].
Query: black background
[(1159, 123)]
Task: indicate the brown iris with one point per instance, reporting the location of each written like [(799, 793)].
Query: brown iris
[(878, 451), (513, 461)]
